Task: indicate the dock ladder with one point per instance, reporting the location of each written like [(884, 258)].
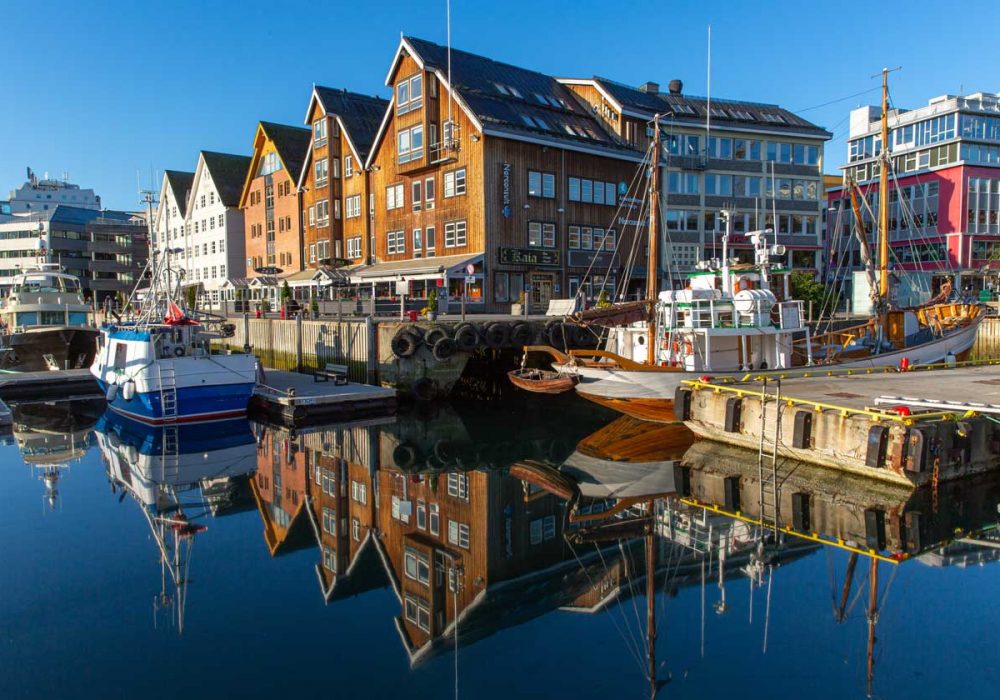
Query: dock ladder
[(767, 457), (168, 392)]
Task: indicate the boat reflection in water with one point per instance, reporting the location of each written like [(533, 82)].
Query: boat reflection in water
[(953, 523), (178, 475), (52, 436)]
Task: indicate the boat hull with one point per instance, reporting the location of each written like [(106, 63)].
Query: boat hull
[(70, 347), (649, 394), (194, 403)]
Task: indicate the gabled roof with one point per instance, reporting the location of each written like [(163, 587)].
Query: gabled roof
[(685, 108), (291, 143), (359, 115), (228, 173), (179, 182), (509, 101)]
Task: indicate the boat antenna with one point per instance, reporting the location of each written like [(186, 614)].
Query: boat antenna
[(450, 93)]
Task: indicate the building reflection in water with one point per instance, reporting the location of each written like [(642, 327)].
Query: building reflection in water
[(52, 436), (179, 476), (479, 524)]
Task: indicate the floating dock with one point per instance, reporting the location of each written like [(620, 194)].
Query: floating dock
[(870, 424), (63, 384), (295, 398)]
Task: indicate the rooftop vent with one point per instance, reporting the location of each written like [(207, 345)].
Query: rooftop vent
[(650, 88), (675, 86)]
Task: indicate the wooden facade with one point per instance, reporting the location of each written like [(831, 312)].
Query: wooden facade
[(270, 200)]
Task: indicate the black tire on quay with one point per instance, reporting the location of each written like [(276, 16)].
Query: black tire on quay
[(405, 456), (497, 335), (556, 333), (580, 336), (435, 334), (424, 389), (467, 337), (443, 349), (521, 334), (404, 344)]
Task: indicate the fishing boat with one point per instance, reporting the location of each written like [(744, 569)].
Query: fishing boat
[(46, 322), (728, 320), (160, 368)]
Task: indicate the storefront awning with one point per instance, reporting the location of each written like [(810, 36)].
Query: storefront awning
[(235, 283), (421, 268)]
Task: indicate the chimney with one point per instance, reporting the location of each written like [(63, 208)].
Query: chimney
[(650, 88), (675, 86)]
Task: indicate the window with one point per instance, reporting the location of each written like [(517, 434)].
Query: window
[(429, 193), (454, 183), (542, 235), (395, 242), (409, 94), (454, 234), (410, 144), (416, 611), (458, 534), (458, 485), (415, 198), (322, 213), (312, 253), (393, 197), (329, 559), (336, 209), (434, 519), (417, 241), (353, 206), (319, 132), (429, 236), (719, 185), (355, 529), (400, 509), (348, 166), (416, 566), (542, 184), (354, 247), (359, 492), (421, 515), (591, 191), (329, 521), (321, 172)]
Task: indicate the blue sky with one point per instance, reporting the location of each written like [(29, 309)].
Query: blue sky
[(105, 89)]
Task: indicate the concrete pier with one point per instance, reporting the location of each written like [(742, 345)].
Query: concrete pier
[(835, 420)]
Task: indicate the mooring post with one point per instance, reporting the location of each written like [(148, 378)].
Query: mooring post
[(371, 359), (298, 341), (246, 331)]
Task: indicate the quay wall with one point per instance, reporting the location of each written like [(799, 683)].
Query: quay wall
[(988, 339)]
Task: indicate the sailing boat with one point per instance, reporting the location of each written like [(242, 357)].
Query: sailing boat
[(728, 321)]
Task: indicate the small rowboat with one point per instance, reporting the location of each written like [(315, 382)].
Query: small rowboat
[(543, 381)]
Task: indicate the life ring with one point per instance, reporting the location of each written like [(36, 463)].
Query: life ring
[(179, 351), (443, 349), (128, 390), (404, 344), (467, 337), (111, 393)]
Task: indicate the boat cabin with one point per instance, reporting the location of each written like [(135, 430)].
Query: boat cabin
[(44, 298)]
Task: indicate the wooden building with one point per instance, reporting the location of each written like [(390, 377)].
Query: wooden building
[(279, 490), (537, 184), (334, 184), (270, 199)]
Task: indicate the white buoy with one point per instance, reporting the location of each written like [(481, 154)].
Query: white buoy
[(111, 393), (128, 390), (950, 360)]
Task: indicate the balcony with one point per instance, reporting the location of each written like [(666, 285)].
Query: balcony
[(446, 150)]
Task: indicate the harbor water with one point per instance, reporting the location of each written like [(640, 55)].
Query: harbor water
[(400, 556)]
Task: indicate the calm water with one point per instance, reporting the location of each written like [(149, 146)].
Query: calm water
[(242, 560)]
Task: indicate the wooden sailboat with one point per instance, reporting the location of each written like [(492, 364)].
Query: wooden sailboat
[(728, 321)]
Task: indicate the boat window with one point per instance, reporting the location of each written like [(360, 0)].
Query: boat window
[(39, 283), (70, 284), (53, 318), (27, 318), (121, 350)]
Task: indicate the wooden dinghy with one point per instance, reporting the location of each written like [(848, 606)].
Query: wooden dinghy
[(543, 381)]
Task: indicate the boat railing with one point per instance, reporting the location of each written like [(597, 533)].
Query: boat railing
[(700, 314)]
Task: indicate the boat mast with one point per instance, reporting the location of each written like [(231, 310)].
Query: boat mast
[(883, 199), (651, 597), (653, 260)]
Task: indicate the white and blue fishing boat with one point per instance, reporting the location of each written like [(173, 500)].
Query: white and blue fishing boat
[(159, 367)]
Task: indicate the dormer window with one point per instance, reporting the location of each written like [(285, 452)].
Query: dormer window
[(409, 94)]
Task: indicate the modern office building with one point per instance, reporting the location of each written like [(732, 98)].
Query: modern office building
[(42, 194)]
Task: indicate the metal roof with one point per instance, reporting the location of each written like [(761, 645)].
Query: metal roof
[(360, 115), (228, 171)]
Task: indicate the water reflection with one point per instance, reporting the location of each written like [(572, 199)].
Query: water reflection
[(52, 436), (179, 476)]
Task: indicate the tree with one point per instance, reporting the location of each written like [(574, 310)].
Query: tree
[(286, 291), (806, 288), (192, 296)]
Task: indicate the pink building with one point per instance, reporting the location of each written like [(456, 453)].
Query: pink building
[(944, 191)]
